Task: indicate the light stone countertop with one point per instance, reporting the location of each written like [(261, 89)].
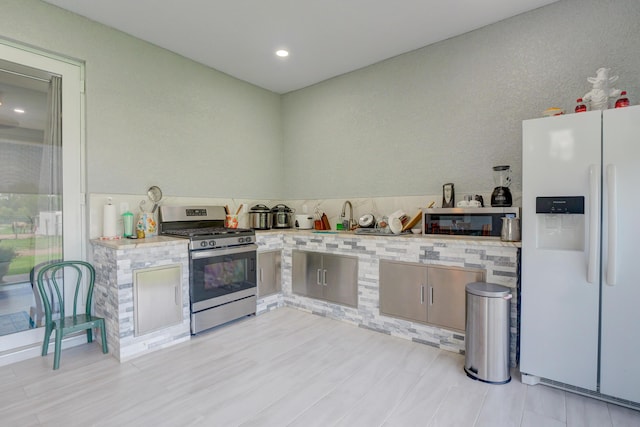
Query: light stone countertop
[(139, 243), (167, 240)]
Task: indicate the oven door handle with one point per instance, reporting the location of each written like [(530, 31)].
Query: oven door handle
[(208, 253)]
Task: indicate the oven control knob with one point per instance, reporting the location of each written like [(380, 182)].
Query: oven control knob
[(203, 244), (240, 239), (247, 240), (212, 243)]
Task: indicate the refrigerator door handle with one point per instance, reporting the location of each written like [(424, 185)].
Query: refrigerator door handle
[(612, 224), (593, 223)]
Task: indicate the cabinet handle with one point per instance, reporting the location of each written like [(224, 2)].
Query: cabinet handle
[(324, 277), (318, 281), (430, 295), (593, 223), (261, 275), (422, 294), (175, 295)]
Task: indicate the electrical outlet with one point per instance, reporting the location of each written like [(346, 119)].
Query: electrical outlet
[(124, 207)]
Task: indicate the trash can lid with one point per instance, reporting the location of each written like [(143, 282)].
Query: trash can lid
[(491, 290)]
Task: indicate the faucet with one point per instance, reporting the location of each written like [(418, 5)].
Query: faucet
[(347, 224)]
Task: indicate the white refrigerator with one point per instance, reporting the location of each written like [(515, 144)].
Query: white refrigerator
[(580, 271)]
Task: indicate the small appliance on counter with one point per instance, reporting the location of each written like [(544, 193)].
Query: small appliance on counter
[(501, 196), (282, 216), (304, 221), (260, 217), (483, 222)]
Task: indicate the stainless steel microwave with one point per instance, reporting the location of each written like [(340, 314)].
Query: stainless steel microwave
[(466, 221)]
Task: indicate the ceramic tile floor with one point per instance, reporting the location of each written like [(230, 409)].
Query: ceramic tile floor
[(284, 368)]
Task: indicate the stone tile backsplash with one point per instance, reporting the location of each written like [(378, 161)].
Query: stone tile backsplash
[(378, 206)]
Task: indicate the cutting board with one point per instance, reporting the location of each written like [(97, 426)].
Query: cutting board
[(415, 220), (325, 222)]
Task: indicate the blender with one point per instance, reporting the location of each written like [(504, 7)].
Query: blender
[(501, 196)]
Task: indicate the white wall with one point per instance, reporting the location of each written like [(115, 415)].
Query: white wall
[(153, 117), (388, 135), (450, 111)]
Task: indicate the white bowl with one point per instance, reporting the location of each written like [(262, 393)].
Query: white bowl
[(395, 225)]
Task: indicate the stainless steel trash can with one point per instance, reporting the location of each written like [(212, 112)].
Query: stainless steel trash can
[(487, 332)]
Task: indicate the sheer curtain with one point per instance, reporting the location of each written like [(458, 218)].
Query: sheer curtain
[(50, 188), (48, 244), (51, 167)]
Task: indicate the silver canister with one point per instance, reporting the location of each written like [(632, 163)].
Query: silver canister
[(260, 217), (510, 230)]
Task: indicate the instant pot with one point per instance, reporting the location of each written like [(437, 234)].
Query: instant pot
[(282, 216), (260, 217)]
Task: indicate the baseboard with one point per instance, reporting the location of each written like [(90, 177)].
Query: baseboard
[(534, 380), (29, 352)]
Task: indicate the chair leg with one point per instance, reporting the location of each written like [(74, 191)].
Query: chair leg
[(56, 357), (90, 335), (103, 333), (47, 337)]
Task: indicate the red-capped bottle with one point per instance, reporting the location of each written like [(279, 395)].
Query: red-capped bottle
[(622, 101), (581, 107)]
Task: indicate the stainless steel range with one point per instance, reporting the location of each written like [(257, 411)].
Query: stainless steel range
[(222, 264)]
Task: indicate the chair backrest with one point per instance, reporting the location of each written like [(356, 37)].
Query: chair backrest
[(54, 274), (33, 276)]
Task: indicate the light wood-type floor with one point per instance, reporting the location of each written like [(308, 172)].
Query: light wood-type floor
[(284, 368)]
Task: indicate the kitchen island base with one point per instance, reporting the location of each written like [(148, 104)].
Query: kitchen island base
[(116, 262)]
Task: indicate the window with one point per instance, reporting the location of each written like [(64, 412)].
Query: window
[(41, 201)]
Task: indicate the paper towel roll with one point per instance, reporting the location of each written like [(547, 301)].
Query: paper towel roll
[(109, 221)]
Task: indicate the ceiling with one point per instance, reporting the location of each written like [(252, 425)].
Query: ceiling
[(325, 38)]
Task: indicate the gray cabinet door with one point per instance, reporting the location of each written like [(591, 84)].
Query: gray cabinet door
[(269, 273), (402, 290), (340, 279), (446, 295), (307, 274), (157, 298), (329, 277)]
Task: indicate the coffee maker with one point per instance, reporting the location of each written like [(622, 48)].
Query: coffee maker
[(501, 196)]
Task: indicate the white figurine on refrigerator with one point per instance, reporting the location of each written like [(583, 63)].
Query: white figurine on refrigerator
[(599, 95)]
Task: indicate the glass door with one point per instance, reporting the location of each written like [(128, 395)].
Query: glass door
[(30, 194), (38, 198)]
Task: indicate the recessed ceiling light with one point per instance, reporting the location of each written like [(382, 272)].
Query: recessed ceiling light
[(18, 110), (282, 53)]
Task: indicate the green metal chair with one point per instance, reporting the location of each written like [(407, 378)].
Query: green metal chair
[(68, 273), (36, 313)]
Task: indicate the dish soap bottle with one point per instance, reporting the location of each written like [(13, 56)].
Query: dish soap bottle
[(581, 107), (622, 101)]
